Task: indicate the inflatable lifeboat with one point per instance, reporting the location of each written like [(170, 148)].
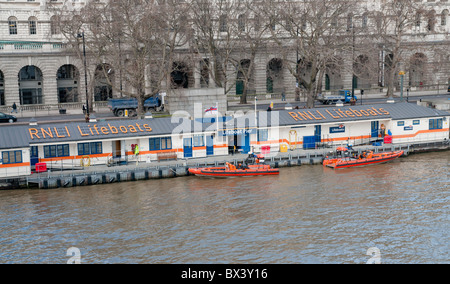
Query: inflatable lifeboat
[(231, 171), (363, 159)]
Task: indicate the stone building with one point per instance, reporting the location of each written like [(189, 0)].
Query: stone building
[(36, 70)]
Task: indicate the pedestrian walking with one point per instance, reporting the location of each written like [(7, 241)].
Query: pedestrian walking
[(14, 108), (84, 109), (283, 96)]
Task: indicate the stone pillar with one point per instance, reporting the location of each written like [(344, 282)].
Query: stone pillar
[(289, 81), (212, 73), (347, 77), (11, 89), (260, 74), (148, 87), (196, 72), (49, 90)]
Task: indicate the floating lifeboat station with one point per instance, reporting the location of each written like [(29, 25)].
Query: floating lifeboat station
[(29, 149)]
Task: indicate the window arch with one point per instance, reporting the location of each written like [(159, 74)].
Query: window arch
[(349, 22), (431, 21), (12, 23), (444, 16), (54, 25), (32, 25), (241, 23), (30, 85), (223, 26), (365, 20), (417, 70)]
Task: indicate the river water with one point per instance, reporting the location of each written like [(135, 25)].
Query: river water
[(390, 213)]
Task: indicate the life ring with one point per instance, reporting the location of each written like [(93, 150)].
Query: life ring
[(87, 159)]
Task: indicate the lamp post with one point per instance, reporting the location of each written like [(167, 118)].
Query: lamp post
[(401, 73), (85, 72)]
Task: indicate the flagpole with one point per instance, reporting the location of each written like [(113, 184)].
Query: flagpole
[(256, 119), (217, 117)]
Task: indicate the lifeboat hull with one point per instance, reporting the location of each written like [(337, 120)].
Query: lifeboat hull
[(225, 172), (339, 163)]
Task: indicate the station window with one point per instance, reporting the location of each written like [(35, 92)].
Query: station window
[(199, 141), (90, 148), (34, 153), (166, 143), (155, 144), (263, 134), (54, 151), (160, 143), (12, 157), (436, 123)]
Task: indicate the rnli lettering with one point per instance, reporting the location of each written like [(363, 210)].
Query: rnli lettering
[(87, 130), (94, 130), (336, 113), (50, 132)]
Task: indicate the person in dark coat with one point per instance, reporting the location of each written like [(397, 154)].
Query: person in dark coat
[(14, 108)]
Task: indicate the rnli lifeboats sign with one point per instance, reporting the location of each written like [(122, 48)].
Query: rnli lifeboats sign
[(326, 114), (87, 130)]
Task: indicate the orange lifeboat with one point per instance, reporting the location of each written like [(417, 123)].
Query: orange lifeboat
[(364, 159), (231, 171)]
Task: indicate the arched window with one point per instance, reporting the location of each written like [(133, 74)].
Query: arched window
[(54, 25), (365, 20), (30, 85), (223, 26), (32, 24), (241, 23), (444, 16), (418, 16), (417, 70), (349, 22), (67, 79), (12, 23), (431, 18)]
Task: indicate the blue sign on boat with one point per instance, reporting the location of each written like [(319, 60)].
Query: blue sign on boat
[(408, 128)]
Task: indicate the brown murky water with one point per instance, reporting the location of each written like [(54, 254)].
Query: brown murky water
[(307, 214)]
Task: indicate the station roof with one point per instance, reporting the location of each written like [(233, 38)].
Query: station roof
[(336, 114), (28, 135), (394, 111), (22, 136)]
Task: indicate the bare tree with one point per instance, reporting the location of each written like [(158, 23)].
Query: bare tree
[(214, 38), (70, 23), (253, 38), (136, 38), (311, 39), (396, 19)]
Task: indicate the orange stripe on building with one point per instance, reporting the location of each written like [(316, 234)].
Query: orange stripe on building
[(420, 132), (15, 165), (74, 157)]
